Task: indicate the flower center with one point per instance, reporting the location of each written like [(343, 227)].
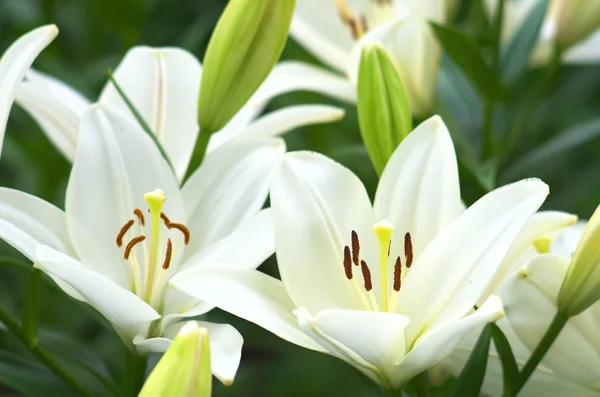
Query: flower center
[(379, 12), (383, 231), (144, 263)]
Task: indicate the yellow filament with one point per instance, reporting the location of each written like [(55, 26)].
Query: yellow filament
[(383, 230), (155, 200)]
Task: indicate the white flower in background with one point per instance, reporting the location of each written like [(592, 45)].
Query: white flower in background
[(334, 30), (128, 228), (163, 85), (15, 63), (385, 287), (571, 24)]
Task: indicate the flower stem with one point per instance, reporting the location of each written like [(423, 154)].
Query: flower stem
[(135, 374), (198, 154), (42, 354), (557, 324), (421, 384)]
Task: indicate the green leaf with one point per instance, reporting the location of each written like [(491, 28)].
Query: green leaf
[(471, 377), (31, 306), (515, 54), (510, 370), (463, 50)]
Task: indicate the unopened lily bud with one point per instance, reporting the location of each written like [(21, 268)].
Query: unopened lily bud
[(574, 20), (184, 370), (383, 109), (244, 47), (581, 286)]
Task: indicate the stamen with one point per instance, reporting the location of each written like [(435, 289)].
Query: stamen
[(357, 27), (347, 263), (167, 261), (140, 215), (166, 219), (355, 248), (132, 244), (408, 250), (398, 274), (182, 229), (122, 232), (366, 275)]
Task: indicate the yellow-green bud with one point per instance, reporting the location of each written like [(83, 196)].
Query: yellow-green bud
[(244, 47), (383, 108), (581, 286), (184, 370), (574, 20)]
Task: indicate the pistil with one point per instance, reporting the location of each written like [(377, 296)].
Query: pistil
[(383, 230), (155, 200)]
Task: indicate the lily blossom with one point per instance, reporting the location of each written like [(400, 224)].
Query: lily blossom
[(163, 85), (335, 30), (128, 228), (15, 63), (387, 286)]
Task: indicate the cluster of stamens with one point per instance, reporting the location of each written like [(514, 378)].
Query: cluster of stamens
[(357, 24)]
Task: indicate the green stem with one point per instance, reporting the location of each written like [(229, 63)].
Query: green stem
[(557, 324), (488, 115), (135, 374), (393, 393), (488, 136), (421, 384), (42, 354), (198, 153)]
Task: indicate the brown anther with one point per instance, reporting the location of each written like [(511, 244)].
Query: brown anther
[(389, 248), (355, 248), (366, 275), (165, 219), (357, 26), (347, 263), (408, 250), (398, 274), (140, 215), (168, 254), (182, 229), (122, 232), (132, 244)]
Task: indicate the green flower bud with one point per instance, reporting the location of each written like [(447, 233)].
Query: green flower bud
[(383, 108), (184, 370), (244, 47), (581, 286)]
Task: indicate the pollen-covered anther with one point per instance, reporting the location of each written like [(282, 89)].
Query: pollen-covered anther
[(398, 274), (347, 263), (355, 248), (168, 254), (358, 26), (122, 232), (140, 215), (366, 272), (165, 219), (184, 230), (132, 244), (408, 250)]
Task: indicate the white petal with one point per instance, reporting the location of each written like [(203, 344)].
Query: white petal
[(290, 76), (128, 314), (230, 186), (530, 301), (116, 164), (235, 127), (291, 117), (419, 191), (584, 52), (371, 341), (457, 267), (437, 343), (163, 85), (566, 242), (249, 294), (56, 107), (15, 63), (316, 204)]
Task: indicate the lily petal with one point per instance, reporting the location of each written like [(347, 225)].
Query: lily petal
[(163, 85), (290, 76), (56, 107), (15, 63), (567, 241), (128, 314), (436, 344), (316, 204), (230, 186), (249, 294), (585, 52), (235, 127), (371, 341), (530, 301), (419, 191), (457, 267), (116, 164)]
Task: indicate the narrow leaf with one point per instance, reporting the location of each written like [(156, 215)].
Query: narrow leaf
[(510, 370), (31, 307), (471, 377), (515, 54)]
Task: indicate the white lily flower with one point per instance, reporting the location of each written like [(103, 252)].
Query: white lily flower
[(128, 228), (163, 85), (385, 287), (15, 63), (334, 31)]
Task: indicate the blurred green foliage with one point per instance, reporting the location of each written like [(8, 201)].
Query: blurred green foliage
[(560, 143)]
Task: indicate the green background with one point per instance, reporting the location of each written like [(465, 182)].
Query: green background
[(558, 144)]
